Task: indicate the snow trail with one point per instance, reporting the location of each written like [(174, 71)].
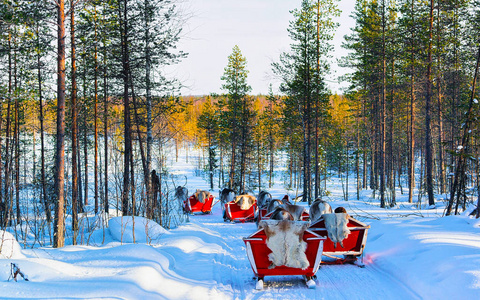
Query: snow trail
[(232, 274)]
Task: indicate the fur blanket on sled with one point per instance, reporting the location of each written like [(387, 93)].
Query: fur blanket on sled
[(202, 196), (336, 225), (285, 240), (245, 201)]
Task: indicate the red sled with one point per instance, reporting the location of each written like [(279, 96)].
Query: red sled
[(192, 205), (262, 215), (233, 213), (257, 253), (262, 212), (353, 245)]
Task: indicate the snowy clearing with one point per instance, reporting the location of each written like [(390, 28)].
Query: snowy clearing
[(410, 254)]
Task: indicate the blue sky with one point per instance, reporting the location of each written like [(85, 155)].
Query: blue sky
[(258, 27)]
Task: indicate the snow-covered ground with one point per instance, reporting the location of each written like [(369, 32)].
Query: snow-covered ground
[(410, 254)]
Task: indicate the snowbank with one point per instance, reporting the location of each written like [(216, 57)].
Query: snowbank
[(433, 257), (9, 247), (146, 230)]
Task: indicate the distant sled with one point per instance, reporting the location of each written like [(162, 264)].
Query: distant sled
[(234, 213), (258, 254), (353, 245), (193, 205)]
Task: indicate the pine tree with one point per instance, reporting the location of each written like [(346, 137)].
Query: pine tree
[(302, 71), (237, 108)]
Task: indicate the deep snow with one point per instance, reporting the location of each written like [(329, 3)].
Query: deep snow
[(410, 253)]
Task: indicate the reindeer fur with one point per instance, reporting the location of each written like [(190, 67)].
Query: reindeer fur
[(272, 205), (202, 195), (285, 240), (336, 225), (295, 210), (227, 195), (263, 199), (318, 208), (245, 201)]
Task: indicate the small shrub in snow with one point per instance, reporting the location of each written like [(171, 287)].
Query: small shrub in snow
[(146, 230)]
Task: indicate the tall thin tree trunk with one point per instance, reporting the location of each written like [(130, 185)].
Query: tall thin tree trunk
[(105, 123), (59, 226), (149, 106), (411, 130), (46, 205), (7, 199), (317, 103), (85, 140), (428, 130), (16, 135), (441, 159), (126, 118), (74, 127), (383, 115), (95, 115)]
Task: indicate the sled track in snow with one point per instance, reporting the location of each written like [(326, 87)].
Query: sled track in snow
[(333, 281)]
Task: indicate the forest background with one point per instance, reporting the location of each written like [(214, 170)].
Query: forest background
[(84, 94)]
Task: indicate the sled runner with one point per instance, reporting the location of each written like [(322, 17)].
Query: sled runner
[(192, 205), (234, 213), (353, 244), (259, 252)]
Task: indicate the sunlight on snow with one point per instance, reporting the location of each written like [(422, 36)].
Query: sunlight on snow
[(452, 238)]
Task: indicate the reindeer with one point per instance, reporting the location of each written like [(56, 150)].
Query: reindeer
[(273, 204), (295, 210), (263, 199), (181, 194), (318, 208), (281, 213), (227, 195)]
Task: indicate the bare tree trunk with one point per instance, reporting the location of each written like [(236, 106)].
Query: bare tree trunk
[(441, 159), (428, 130), (16, 137), (317, 103), (383, 111), (95, 116), (7, 199), (48, 213), (74, 128), (391, 159), (149, 106), (59, 226), (411, 130), (232, 164), (140, 141), (85, 140), (126, 105), (105, 124)]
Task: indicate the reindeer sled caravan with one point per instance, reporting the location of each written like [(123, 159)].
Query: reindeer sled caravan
[(241, 208), (199, 202)]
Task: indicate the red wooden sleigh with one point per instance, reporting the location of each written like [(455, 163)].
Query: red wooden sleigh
[(192, 205), (257, 252), (234, 213), (353, 245)]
